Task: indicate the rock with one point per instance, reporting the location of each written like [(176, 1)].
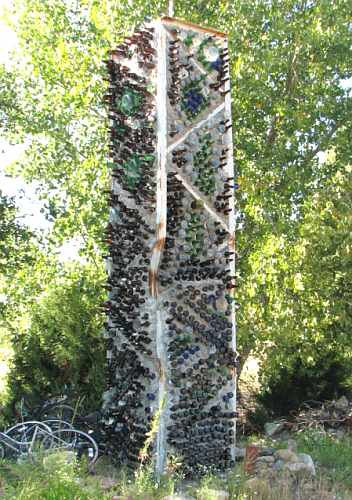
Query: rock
[(300, 467), (260, 487), (342, 403), (285, 435), (286, 455), (278, 465), (261, 469), (265, 451), (107, 483), (272, 428), (308, 461), (252, 453), (267, 459), (292, 445), (240, 452), (338, 433)]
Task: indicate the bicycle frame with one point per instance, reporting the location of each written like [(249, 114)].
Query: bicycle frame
[(12, 443), (34, 436), (32, 430)]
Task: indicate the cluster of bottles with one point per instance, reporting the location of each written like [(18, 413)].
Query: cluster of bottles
[(194, 303), (132, 375), (132, 115), (195, 278)]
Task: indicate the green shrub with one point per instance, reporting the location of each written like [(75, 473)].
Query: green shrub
[(62, 349), (286, 388)]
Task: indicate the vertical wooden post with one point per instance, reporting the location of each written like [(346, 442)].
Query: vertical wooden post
[(161, 220), (232, 239)]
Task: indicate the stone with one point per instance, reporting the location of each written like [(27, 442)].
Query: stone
[(292, 445), (211, 53), (300, 467), (267, 459), (272, 428), (252, 453), (342, 403), (285, 435), (261, 469), (286, 455), (337, 433), (258, 486), (278, 465), (240, 452), (307, 460), (265, 451)]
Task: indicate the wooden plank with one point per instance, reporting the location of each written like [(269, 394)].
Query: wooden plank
[(205, 202), (231, 243), (187, 25), (211, 113), (161, 215)]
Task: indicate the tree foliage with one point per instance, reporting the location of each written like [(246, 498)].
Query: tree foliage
[(60, 350), (308, 300), (15, 238), (17, 252), (289, 60)]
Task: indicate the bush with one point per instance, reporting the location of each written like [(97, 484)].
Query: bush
[(286, 388), (62, 349)]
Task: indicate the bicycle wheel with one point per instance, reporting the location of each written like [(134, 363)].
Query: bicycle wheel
[(30, 435), (57, 425), (24, 431), (83, 446), (57, 411)]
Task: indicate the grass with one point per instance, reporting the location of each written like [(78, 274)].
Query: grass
[(332, 454), (58, 480), (52, 478)]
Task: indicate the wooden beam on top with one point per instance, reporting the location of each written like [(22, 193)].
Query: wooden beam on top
[(186, 24)]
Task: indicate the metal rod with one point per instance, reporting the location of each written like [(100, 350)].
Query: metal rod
[(171, 8)]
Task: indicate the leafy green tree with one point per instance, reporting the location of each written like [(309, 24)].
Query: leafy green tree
[(289, 59), (15, 238), (17, 252), (309, 346), (60, 349)]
